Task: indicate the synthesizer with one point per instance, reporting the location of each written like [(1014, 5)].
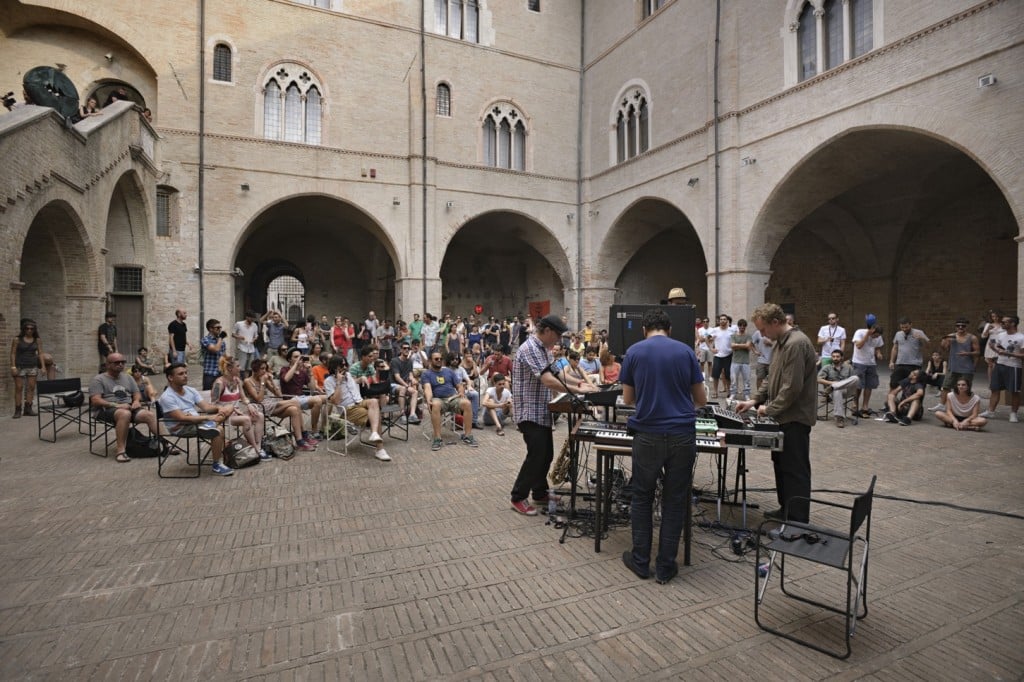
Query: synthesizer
[(605, 433)]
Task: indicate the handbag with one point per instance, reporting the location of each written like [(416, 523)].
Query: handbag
[(139, 445), (281, 444), (238, 454)]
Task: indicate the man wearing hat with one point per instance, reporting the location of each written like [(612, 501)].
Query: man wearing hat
[(676, 296), (867, 351), (963, 349), (532, 383), (106, 338)]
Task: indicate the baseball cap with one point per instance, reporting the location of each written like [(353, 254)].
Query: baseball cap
[(554, 322), (870, 319)]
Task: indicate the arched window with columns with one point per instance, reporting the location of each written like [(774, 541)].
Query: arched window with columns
[(504, 137), (823, 34), (632, 124), (292, 105)]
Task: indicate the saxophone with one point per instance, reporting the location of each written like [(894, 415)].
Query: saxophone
[(560, 471)]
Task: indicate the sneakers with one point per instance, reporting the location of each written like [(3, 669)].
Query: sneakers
[(939, 407), (987, 414), (403, 420), (375, 438), (305, 445), (524, 508), (310, 437), (222, 469), (840, 422), (264, 456), (413, 419), (382, 455), (904, 420), (470, 441), (436, 444), (890, 418), (1013, 418)]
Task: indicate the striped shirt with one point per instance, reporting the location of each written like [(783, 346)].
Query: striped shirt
[(529, 396)]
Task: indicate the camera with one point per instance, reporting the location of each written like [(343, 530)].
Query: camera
[(223, 335), (305, 358), (9, 100)]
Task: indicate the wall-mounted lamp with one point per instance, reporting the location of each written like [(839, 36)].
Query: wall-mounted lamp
[(109, 56), (570, 217), (748, 161), (987, 81), (395, 201), (238, 272), (692, 182), (244, 186), (593, 213), (449, 204)]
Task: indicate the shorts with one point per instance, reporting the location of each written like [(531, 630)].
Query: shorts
[(1005, 378), (192, 430), (703, 355), (721, 367), (357, 414), (28, 372), (303, 401), (762, 371), (106, 414), (245, 359), (868, 375), (451, 403), (949, 381), (502, 417)]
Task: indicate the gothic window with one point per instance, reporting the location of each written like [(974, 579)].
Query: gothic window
[(444, 100), (807, 37), (632, 126), (458, 19), (651, 6), (504, 138), (221, 63), (533, 5), (830, 32), (833, 33), (292, 105), (862, 27)]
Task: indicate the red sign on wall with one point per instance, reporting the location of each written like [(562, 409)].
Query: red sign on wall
[(478, 309), (539, 309)]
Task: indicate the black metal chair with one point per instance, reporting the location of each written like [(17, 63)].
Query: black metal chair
[(820, 545), (180, 444), (54, 414)]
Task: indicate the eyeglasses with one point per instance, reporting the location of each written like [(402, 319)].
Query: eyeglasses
[(117, 362), (832, 317), (961, 325)]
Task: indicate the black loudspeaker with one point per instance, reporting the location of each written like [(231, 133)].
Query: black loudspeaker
[(625, 324)]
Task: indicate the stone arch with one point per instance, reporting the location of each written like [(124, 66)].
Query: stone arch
[(353, 268), (128, 238), (503, 260), (656, 231)]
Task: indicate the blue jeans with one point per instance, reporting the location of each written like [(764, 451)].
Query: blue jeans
[(474, 401), (669, 457), (179, 356)]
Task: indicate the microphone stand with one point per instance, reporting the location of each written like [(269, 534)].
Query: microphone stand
[(576, 403)]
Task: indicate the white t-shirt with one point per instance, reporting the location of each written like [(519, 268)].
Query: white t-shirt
[(865, 355), (248, 333), (723, 341), (1012, 343), (506, 396), (833, 336), (764, 346), (171, 401)]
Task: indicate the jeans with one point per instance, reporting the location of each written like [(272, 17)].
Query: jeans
[(178, 356), (793, 470), (533, 474), (669, 457), (740, 380), (474, 400)]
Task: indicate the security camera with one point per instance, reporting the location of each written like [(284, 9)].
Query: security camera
[(239, 273)]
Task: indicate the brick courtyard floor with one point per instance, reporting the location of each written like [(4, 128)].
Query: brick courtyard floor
[(334, 567)]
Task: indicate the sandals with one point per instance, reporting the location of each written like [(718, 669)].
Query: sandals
[(122, 457)]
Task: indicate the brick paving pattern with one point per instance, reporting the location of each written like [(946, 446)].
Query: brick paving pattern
[(332, 567)]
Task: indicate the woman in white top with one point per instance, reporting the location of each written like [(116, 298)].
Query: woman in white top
[(962, 408), (990, 331)]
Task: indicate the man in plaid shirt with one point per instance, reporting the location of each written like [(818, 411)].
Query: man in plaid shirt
[(213, 347), (532, 383)]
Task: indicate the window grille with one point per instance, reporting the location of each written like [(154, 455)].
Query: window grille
[(128, 280)]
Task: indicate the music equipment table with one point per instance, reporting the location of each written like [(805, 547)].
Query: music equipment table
[(611, 440)]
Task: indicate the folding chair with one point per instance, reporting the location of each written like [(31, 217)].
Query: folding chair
[(826, 406), (53, 414), (100, 430), (449, 427), (178, 444), (391, 423), (825, 546), (339, 428)]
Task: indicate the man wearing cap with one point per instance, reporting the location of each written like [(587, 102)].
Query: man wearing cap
[(867, 351), (963, 350), (106, 337), (532, 382), (676, 296)]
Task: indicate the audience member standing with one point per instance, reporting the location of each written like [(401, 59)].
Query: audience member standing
[(177, 337), (26, 361), (213, 346), (106, 338)]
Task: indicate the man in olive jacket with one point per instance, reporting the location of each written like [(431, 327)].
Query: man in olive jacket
[(790, 397)]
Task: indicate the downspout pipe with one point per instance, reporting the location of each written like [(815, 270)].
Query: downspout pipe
[(579, 170), (200, 194), (423, 122), (718, 190)]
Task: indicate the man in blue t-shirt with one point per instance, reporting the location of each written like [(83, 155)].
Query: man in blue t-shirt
[(662, 378), (443, 390)]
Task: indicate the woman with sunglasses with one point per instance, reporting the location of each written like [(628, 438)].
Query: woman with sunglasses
[(261, 389), (26, 361), (227, 390), (962, 409)]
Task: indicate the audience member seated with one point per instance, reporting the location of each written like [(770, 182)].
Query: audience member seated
[(498, 362), (404, 384), (904, 401), (260, 388), (934, 371), (146, 364), (296, 380), (497, 402), (443, 391), (591, 365), (574, 374), (145, 385), (342, 390), (468, 373), (962, 409), (186, 414), (837, 376), (609, 368), (278, 361), (116, 399), (227, 390), (320, 369)]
